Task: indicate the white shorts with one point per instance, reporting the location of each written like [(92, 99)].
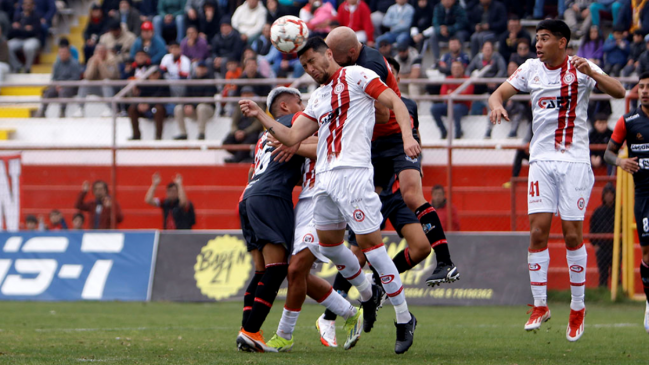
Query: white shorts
[(347, 196), (305, 233), (559, 187)]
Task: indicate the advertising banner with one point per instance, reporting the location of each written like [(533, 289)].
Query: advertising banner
[(60, 265), (215, 266)]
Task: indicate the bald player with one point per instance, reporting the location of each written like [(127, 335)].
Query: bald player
[(388, 157)]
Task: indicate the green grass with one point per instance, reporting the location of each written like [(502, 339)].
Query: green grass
[(173, 333)]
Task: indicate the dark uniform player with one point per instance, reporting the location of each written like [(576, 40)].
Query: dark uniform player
[(634, 129), (267, 219), (388, 156)]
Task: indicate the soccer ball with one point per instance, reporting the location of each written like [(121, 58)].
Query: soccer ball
[(288, 34)]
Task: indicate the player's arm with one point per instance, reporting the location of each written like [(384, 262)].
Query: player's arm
[(382, 113), (302, 128), (497, 102), (391, 100), (604, 82), (629, 165), (306, 148)]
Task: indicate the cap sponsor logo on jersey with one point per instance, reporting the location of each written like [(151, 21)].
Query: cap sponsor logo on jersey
[(576, 268), (308, 238), (534, 267), (581, 203), (359, 216), (387, 279), (568, 78), (642, 147)]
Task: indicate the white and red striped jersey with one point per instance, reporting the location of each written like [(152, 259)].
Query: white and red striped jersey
[(559, 108), (308, 178), (344, 110)]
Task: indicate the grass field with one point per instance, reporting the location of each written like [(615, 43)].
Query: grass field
[(172, 333)]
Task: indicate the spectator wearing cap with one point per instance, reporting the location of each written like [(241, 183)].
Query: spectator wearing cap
[(356, 14), (176, 66), (65, 68), (150, 43), (398, 19), (455, 52), (226, 45), (460, 108), (193, 46), (118, 40), (45, 11), (508, 41), (616, 52), (244, 130), (248, 19), (170, 21), (488, 20), (101, 66), (577, 16), (201, 112), (129, 16), (449, 21), (209, 21), (25, 36), (150, 111), (94, 29), (636, 48), (523, 52)]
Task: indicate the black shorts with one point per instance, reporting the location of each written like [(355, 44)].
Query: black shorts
[(388, 159), (267, 219), (641, 210)]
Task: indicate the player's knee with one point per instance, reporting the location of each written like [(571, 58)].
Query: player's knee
[(573, 239), (295, 271), (538, 236), (419, 252)]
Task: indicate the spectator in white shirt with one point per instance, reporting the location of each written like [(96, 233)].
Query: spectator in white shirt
[(175, 67), (249, 19)]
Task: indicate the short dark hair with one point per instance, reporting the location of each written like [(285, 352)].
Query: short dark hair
[(522, 40), (79, 215), (438, 187), (55, 211), (619, 28), (601, 116), (644, 75), (64, 43), (394, 63), (454, 38), (638, 32), (317, 44), (172, 185), (31, 218), (557, 27), (514, 17), (100, 182)]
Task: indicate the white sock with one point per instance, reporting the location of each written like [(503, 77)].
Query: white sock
[(538, 262), (337, 304), (390, 279), (287, 323), (347, 263), (577, 259)]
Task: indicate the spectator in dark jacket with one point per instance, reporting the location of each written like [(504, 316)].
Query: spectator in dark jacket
[(201, 112), (225, 45), (169, 23), (46, 10), (110, 8), (616, 52), (262, 45), (65, 68), (150, 111), (129, 16), (449, 20), (177, 210), (209, 21), (508, 41), (24, 36), (274, 11), (94, 29), (602, 221), (643, 60), (422, 23), (636, 48), (522, 53), (488, 20), (100, 208), (600, 134), (244, 130)]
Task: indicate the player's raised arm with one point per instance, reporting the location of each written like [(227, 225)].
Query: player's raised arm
[(302, 128), (604, 82), (497, 102), (390, 99)]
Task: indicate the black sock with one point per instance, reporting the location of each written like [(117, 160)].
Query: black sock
[(249, 296), (265, 296), (644, 274), (342, 286), (402, 261), (427, 215)]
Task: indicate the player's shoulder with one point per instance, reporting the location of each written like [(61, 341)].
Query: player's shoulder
[(634, 115), (532, 64), (359, 72)]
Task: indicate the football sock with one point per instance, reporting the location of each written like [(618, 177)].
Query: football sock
[(265, 295), (402, 261), (577, 258), (337, 305), (644, 275), (347, 264), (287, 323), (538, 262), (429, 219), (341, 287), (390, 279), (249, 296)]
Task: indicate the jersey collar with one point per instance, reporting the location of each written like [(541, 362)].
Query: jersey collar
[(563, 64), (333, 76)]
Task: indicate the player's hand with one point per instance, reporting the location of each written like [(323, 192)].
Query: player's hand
[(85, 187), (155, 179), (250, 109), (411, 147), (283, 153), (498, 114), (582, 65), (179, 179), (629, 165)]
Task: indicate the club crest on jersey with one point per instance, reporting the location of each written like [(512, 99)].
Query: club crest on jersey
[(308, 238), (359, 216), (576, 268), (339, 89), (534, 267), (639, 137), (536, 80), (568, 78), (387, 279), (581, 203)]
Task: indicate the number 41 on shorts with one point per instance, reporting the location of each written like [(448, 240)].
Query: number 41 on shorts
[(534, 188)]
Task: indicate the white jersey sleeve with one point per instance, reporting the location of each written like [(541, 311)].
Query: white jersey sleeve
[(591, 82), (519, 79), (363, 77)]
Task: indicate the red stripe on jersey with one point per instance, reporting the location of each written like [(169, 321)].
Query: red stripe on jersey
[(572, 111), (342, 117), (335, 104), (558, 134)]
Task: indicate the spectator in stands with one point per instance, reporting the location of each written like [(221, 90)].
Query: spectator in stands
[(600, 135), (201, 112), (643, 60), (147, 8), (385, 48), (488, 20), (455, 52), (602, 221), (234, 71), (194, 47), (356, 15), (398, 19), (226, 45), (251, 71), (577, 16), (193, 12), (508, 42), (170, 21), (449, 21), (118, 40), (249, 19), (65, 68), (460, 108), (94, 29), (45, 9), (78, 220), (6, 12), (129, 16), (284, 65), (321, 16), (592, 46), (209, 21), (263, 65), (100, 207), (152, 44), (636, 48), (176, 66), (25, 36), (440, 204), (379, 8), (4, 57), (274, 11), (522, 53), (177, 210), (263, 45), (611, 7), (488, 57), (110, 8), (410, 66), (539, 7), (155, 111), (422, 24), (101, 66), (616, 52), (244, 130), (33, 224), (57, 222), (74, 52)]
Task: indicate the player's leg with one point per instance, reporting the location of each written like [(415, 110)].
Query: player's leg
[(249, 295), (644, 275), (417, 251), (642, 221)]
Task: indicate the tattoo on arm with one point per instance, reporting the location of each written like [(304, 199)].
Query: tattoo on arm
[(271, 131), (610, 156)]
